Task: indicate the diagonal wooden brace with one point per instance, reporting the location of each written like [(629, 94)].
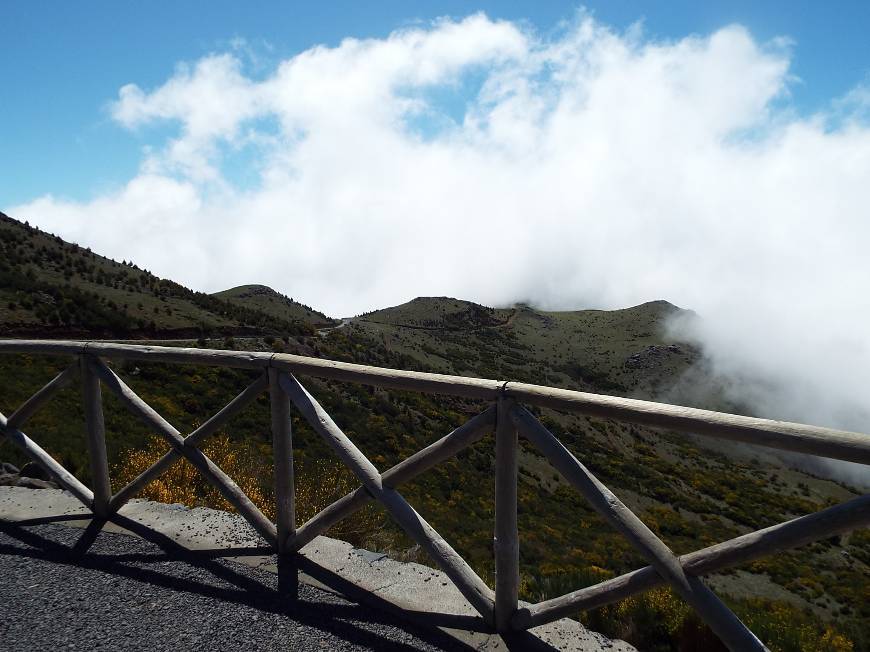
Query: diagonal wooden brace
[(466, 580), (724, 623), (33, 450), (209, 470), (420, 462), (217, 421), (799, 531), (31, 405)]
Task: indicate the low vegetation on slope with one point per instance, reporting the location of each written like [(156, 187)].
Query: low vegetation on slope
[(815, 598), (52, 287), (278, 306), (623, 351)]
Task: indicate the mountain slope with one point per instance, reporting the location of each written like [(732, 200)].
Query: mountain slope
[(52, 287), (270, 302), (624, 351)]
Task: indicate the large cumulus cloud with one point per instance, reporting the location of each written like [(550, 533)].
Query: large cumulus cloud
[(478, 159)]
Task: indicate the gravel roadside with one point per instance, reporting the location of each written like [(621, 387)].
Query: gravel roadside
[(124, 593)]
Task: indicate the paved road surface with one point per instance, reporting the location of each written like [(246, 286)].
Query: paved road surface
[(124, 593)]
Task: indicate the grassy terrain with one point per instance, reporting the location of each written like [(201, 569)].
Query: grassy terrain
[(815, 598)]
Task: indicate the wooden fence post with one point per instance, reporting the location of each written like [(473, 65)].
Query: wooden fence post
[(282, 449), (93, 401), (507, 548)]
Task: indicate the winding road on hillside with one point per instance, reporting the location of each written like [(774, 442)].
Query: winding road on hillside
[(501, 324)]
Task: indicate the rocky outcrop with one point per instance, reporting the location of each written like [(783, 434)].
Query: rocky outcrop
[(652, 356)]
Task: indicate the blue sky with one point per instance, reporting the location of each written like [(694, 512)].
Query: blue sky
[(534, 153), (63, 62)]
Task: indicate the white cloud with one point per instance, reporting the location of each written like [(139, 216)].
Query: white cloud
[(591, 168)]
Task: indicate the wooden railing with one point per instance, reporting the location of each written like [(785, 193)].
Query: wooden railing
[(499, 607)]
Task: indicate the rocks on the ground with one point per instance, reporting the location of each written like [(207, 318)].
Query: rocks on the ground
[(651, 356), (36, 483), (10, 476), (33, 470)]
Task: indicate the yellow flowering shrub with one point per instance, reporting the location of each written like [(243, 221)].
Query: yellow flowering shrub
[(318, 483)]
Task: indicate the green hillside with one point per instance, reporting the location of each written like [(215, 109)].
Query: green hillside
[(275, 304), (624, 351), (50, 287), (438, 314), (688, 493)]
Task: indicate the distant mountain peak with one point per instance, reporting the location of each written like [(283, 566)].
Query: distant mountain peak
[(251, 290), (269, 300)]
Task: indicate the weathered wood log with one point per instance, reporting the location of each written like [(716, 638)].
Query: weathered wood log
[(828, 522), (416, 381), (380, 377), (454, 566), (137, 484), (282, 452), (506, 542), (420, 462), (36, 453), (795, 437), (143, 353), (323, 424), (209, 470), (231, 409), (27, 409), (327, 517), (49, 347), (445, 448), (824, 442), (724, 623), (209, 427), (96, 428)]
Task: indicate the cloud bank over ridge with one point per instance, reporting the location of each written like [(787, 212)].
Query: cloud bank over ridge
[(479, 159)]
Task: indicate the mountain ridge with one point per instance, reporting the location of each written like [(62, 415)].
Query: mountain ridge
[(132, 301), (270, 301), (52, 287)]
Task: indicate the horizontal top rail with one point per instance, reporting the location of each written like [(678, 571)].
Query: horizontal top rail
[(795, 437), (318, 367)]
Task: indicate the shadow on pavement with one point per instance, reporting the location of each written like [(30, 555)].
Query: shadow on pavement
[(332, 619)]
